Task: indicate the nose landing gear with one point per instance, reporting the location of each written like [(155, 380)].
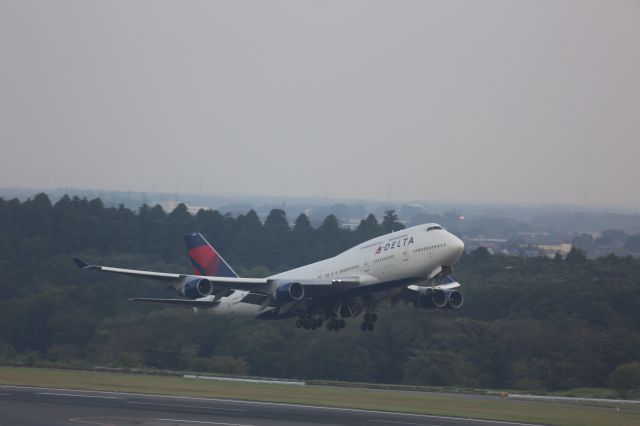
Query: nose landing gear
[(369, 320)]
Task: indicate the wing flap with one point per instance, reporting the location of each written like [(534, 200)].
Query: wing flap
[(447, 283)]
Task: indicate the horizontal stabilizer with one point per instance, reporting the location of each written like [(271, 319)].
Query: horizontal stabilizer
[(182, 302), (254, 299)]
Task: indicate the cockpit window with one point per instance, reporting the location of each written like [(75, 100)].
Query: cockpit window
[(431, 228)]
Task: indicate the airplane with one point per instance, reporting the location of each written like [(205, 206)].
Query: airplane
[(412, 265)]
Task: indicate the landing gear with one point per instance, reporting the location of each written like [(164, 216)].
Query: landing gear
[(369, 319), (335, 324), (309, 323), (367, 326)]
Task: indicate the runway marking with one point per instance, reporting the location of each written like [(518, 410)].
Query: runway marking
[(281, 404), (202, 422), (402, 423), (78, 396), (93, 420), (185, 406), (5, 394), (82, 420)]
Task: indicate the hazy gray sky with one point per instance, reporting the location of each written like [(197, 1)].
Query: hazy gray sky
[(507, 101)]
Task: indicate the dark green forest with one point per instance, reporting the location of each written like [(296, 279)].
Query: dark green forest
[(528, 323)]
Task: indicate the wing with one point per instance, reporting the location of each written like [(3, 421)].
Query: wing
[(313, 288), (261, 290), (178, 280), (408, 290)]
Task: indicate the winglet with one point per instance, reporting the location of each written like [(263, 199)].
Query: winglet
[(81, 263)]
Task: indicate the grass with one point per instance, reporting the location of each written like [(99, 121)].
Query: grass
[(552, 413), (588, 393)]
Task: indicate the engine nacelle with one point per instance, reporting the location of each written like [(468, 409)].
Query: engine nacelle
[(439, 298), (455, 299), (429, 298), (289, 292), (197, 288)]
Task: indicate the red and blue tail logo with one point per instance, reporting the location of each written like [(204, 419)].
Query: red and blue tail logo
[(205, 260)]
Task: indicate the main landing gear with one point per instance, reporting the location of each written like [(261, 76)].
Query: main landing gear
[(335, 324), (309, 323), (369, 319)]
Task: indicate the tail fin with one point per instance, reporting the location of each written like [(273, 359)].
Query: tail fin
[(205, 260)]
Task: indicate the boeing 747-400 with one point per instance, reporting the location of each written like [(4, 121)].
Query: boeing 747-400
[(413, 265)]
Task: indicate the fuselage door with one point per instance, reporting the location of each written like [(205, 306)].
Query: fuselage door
[(366, 266)]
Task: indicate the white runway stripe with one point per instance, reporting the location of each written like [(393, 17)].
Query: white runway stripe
[(185, 406), (77, 396), (202, 422)]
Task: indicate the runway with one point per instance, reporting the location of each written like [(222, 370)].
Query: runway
[(29, 406)]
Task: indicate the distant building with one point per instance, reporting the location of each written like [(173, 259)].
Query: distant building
[(169, 206), (494, 245), (551, 250)]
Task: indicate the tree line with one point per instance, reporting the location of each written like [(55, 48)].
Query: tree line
[(528, 323)]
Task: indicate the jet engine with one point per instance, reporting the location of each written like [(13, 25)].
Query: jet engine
[(289, 292), (429, 297), (197, 288), (455, 299)]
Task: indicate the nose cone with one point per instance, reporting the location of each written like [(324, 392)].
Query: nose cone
[(457, 247)]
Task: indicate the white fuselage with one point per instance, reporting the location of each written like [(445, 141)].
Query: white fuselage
[(414, 254)]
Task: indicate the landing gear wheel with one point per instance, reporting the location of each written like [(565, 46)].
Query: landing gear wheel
[(367, 317), (319, 322), (370, 326), (342, 323), (374, 317), (363, 326)]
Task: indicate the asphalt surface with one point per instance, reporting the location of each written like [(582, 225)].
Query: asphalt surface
[(29, 406)]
